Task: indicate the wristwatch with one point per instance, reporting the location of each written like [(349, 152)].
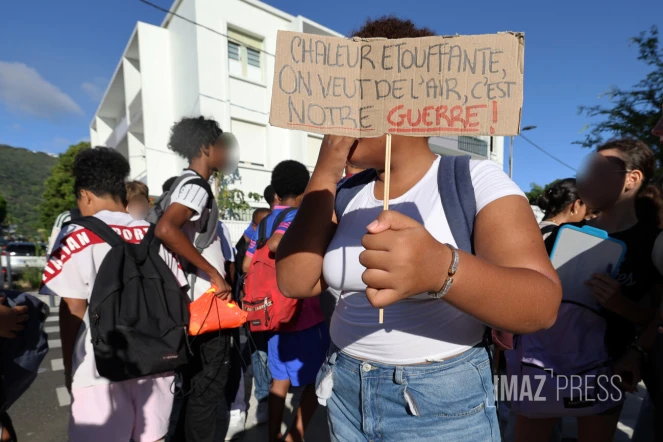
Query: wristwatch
[(453, 267)]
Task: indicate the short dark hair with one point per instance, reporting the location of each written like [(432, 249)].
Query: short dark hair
[(269, 194), (290, 179), (391, 27), (189, 135), (101, 171), (168, 184), (258, 212)]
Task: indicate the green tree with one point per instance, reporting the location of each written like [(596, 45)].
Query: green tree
[(233, 204), (536, 191), (3, 210), (631, 112), (59, 193)]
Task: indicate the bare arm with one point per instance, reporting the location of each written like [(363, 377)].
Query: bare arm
[(510, 284), (302, 249), (169, 231), (274, 241), (246, 265), (230, 272), (71, 315)]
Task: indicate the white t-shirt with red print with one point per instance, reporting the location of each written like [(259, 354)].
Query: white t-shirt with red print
[(72, 269)]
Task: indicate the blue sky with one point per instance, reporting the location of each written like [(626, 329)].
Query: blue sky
[(56, 58)]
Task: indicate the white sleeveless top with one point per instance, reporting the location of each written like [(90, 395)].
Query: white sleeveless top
[(418, 329)]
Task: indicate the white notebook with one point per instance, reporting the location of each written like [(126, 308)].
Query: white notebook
[(578, 254)]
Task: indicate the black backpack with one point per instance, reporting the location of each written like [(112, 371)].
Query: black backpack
[(138, 312)]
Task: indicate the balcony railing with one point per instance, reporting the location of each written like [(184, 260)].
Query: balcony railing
[(118, 134), (473, 145)]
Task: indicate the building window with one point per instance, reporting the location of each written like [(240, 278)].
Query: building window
[(473, 145), (252, 139), (245, 56)]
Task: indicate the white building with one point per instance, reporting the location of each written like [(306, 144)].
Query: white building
[(224, 72)]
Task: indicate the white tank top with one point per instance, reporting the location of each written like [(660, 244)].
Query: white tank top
[(418, 329)]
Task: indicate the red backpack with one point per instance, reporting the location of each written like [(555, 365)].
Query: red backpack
[(268, 309)]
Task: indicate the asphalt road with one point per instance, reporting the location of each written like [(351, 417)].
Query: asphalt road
[(42, 413)]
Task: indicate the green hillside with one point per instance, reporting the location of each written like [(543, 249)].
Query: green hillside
[(22, 177)]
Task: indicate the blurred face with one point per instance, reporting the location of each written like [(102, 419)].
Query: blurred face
[(138, 207), (224, 154), (604, 178)]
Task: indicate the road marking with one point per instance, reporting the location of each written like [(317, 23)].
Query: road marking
[(57, 364), (63, 396), (55, 329), (54, 343), (52, 319)]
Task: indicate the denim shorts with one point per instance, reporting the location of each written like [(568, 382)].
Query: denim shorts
[(297, 356), (453, 400)]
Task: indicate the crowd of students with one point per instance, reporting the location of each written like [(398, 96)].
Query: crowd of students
[(447, 263)]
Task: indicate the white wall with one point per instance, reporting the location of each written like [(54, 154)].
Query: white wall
[(184, 65), (158, 95)]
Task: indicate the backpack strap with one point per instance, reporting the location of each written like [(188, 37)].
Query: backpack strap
[(280, 218), (207, 236), (549, 229), (457, 194), (262, 234), (349, 188), (99, 228), (262, 228)]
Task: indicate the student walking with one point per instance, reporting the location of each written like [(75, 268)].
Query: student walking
[(296, 351), (615, 181), (191, 214), (257, 342), (101, 410), (561, 204)]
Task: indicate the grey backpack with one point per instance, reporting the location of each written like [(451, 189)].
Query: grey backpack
[(205, 238)]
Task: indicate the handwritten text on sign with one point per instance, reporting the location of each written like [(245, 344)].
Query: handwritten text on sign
[(423, 86)]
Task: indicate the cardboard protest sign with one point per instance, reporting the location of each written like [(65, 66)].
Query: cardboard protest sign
[(416, 86)]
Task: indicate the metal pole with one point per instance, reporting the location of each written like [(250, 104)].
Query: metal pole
[(10, 280), (511, 158)]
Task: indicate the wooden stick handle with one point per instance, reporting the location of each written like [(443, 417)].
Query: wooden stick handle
[(387, 184)]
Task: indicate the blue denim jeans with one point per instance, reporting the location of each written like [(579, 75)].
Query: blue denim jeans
[(453, 400), (262, 378)]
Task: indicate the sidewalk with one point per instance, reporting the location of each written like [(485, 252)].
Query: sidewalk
[(626, 423), (317, 431)]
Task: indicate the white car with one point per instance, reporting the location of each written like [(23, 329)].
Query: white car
[(22, 255)]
